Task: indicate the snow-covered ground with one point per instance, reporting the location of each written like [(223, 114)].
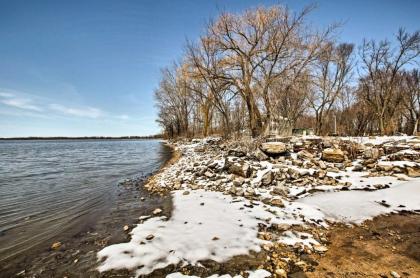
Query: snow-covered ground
[(204, 225), (216, 214), (358, 206)]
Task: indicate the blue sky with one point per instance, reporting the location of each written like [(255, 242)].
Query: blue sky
[(83, 68)]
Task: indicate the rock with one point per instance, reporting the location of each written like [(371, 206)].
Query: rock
[(237, 153), (238, 181), (281, 190), (277, 202), (150, 237), (249, 192), (157, 211), (322, 165), (326, 143), (333, 155), (126, 228), (281, 273), (208, 174), (267, 178), (320, 248), (199, 149), (405, 155), (243, 170), (274, 148), (177, 185), (260, 155), (56, 245), (382, 167), (357, 168), (371, 153), (186, 192), (281, 227), (322, 174), (395, 274), (304, 154), (413, 172)]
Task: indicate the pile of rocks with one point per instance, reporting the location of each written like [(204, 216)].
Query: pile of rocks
[(275, 167)]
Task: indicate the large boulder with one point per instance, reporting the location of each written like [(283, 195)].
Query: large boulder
[(274, 148), (413, 172), (240, 169), (333, 155), (407, 154)]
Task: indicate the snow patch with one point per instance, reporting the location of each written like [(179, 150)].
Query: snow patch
[(358, 206), (204, 225), (292, 237), (259, 273)]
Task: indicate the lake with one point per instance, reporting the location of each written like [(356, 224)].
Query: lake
[(52, 187)]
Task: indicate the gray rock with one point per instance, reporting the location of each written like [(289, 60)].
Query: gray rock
[(280, 189), (243, 170), (267, 178), (260, 155), (357, 168), (238, 181), (371, 153)]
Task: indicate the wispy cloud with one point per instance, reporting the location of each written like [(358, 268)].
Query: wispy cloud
[(122, 117), (19, 102), (89, 112), (6, 95), (23, 104)]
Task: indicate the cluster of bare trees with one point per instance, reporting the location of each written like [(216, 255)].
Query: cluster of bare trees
[(269, 64)]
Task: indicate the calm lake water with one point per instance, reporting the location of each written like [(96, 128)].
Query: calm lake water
[(50, 187)]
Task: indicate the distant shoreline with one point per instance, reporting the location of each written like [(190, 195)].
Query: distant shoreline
[(83, 138)]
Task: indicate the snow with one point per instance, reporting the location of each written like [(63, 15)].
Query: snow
[(358, 206), (292, 237), (407, 151), (398, 163), (204, 225), (377, 140), (259, 273)]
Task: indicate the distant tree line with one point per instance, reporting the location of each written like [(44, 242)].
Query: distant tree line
[(157, 136), (270, 64)]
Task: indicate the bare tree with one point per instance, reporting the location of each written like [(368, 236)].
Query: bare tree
[(206, 66), (382, 65), (411, 90), (259, 47), (332, 74)]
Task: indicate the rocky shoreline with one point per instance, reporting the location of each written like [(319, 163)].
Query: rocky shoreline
[(276, 190)]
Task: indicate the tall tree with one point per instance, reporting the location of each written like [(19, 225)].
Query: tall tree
[(332, 74), (382, 65)]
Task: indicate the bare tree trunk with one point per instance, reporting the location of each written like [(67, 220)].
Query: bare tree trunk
[(255, 123), (416, 125)]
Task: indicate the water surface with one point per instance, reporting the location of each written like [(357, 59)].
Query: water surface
[(48, 188)]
